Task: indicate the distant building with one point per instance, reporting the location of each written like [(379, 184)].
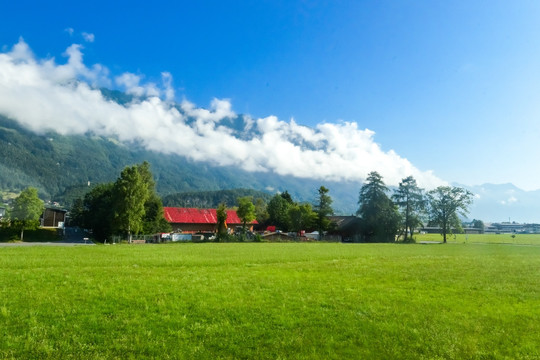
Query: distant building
[(512, 228), (348, 227), (2, 212), (53, 217), (191, 220)]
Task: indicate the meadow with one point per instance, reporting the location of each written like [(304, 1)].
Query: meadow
[(519, 239), (271, 301)]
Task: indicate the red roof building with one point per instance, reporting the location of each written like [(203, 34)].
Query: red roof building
[(191, 220)]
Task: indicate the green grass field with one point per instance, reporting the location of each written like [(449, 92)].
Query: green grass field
[(271, 301), (523, 239)]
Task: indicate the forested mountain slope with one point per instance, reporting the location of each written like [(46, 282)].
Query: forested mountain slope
[(61, 167)]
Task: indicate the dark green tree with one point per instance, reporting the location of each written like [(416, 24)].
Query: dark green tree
[(27, 208), (154, 219), (221, 213), (285, 195), (246, 212), (278, 212), (76, 214), (323, 209), (411, 201), (379, 217), (446, 203), (261, 212), (301, 217), (98, 211), (132, 190)]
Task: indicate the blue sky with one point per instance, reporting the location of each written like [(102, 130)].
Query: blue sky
[(452, 87)]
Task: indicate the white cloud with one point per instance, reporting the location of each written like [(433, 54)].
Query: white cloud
[(88, 37), (70, 31), (509, 201), (43, 95)]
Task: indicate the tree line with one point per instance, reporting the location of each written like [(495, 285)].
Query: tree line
[(130, 205), (383, 217)]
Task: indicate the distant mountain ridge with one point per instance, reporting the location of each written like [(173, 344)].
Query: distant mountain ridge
[(61, 167), (504, 202)]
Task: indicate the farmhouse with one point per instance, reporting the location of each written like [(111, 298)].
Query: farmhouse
[(191, 220)]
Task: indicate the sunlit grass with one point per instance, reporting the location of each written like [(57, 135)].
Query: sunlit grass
[(524, 239), (270, 301)]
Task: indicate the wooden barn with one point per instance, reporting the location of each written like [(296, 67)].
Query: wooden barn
[(53, 217), (191, 220)]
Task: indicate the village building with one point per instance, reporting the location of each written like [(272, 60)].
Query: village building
[(53, 217), (193, 221)]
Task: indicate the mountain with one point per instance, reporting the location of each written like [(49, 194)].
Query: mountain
[(504, 202), (62, 167)]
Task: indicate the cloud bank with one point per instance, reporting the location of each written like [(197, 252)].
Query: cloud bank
[(44, 95)]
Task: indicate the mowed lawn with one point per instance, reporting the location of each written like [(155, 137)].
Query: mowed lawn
[(271, 301)]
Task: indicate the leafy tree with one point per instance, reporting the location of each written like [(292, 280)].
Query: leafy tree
[(154, 218), (129, 206), (410, 199), (323, 209), (98, 211), (27, 208), (221, 214), (261, 211), (285, 195), (445, 204), (301, 217), (246, 211), (379, 216), (131, 191), (278, 212), (76, 214), (479, 224)]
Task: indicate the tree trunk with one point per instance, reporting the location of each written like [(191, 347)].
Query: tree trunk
[(22, 233)]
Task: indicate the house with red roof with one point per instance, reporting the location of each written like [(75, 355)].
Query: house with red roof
[(192, 220)]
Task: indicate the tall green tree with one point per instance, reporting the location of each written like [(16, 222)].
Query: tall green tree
[(221, 213), (411, 201), (98, 211), (128, 206), (154, 219), (446, 203), (27, 208), (323, 209), (246, 211), (261, 212), (379, 217), (76, 213), (285, 195), (301, 217), (278, 212), (131, 193)]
